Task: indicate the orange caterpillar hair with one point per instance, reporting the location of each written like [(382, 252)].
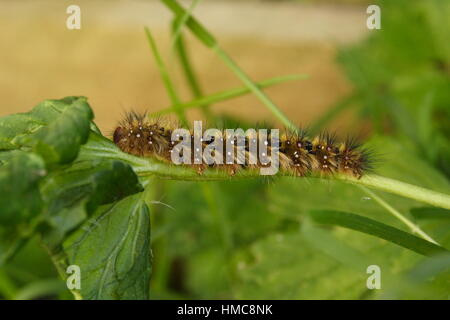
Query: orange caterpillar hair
[(299, 154)]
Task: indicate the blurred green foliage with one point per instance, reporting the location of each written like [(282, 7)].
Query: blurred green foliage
[(401, 76)]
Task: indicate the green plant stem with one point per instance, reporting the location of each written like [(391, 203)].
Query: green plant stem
[(404, 189), (58, 261), (148, 167), (414, 228)]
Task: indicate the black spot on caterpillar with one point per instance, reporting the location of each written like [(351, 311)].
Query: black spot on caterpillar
[(299, 154)]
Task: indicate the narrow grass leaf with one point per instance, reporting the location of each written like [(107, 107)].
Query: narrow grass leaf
[(233, 93), (430, 213), (165, 77), (202, 34), (377, 229), (188, 71), (180, 23)]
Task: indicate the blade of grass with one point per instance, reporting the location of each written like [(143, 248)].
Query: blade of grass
[(377, 229), (430, 213), (166, 78), (414, 228), (231, 93), (197, 29), (188, 71), (204, 36), (178, 26), (255, 89)]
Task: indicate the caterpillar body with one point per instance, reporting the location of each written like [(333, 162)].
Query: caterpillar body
[(299, 154)]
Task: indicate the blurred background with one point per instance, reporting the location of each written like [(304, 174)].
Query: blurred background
[(241, 240), (109, 60)]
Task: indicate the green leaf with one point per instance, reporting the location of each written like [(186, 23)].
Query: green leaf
[(20, 200), (113, 251), (54, 129), (285, 266), (430, 213), (375, 228), (73, 194), (19, 191), (11, 241)]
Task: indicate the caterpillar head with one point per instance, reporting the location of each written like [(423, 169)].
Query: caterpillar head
[(118, 135)]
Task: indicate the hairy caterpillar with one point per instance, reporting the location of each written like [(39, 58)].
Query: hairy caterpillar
[(299, 154)]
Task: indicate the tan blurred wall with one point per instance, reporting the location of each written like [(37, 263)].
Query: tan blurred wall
[(109, 61)]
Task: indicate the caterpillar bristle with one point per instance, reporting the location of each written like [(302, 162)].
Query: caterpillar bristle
[(299, 154)]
